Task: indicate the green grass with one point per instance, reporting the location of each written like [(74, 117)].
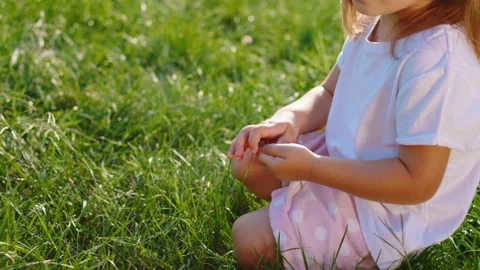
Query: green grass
[(115, 117)]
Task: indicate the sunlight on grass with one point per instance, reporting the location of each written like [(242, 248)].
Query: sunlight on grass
[(115, 118)]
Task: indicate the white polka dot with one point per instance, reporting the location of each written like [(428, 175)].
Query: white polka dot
[(353, 225), (344, 251), (279, 200), (297, 216), (332, 208), (309, 258), (321, 233), (280, 236), (310, 197)]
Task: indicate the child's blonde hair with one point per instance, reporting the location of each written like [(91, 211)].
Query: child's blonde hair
[(455, 12)]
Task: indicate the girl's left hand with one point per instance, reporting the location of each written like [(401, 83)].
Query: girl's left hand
[(288, 162)]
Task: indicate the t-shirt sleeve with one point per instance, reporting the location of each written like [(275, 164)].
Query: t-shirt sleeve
[(343, 54), (439, 107)]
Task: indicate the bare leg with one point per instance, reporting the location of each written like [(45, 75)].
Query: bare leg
[(253, 239), (254, 176)]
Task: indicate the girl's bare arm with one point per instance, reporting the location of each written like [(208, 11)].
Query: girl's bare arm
[(310, 112), (411, 178)]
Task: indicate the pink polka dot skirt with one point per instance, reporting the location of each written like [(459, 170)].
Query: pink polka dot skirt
[(317, 227)]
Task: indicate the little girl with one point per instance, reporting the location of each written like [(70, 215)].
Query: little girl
[(399, 162)]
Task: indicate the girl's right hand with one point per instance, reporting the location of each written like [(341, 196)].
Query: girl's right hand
[(250, 136)]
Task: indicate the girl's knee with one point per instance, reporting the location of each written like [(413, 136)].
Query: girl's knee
[(245, 248), (240, 235), (242, 245), (252, 239)]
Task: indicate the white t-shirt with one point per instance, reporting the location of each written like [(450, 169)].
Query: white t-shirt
[(429, 95)]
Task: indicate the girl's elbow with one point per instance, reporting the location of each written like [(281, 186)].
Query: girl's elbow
[(423, 193)]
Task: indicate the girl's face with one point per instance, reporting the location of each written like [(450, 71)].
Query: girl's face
[(386, 7)]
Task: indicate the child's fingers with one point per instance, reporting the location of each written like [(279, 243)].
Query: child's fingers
[(231, 150), (240, 146), (267, 160), (231, 153), (254, 139), (275, 150), (262, 132), (286, 138)]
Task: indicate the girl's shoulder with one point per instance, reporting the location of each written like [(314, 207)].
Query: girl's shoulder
[(442, 38), (443, 47), (440, 48)]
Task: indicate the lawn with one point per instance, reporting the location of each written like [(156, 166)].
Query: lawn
[(115, 117)]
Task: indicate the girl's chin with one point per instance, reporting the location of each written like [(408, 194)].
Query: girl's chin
[(363, 8)]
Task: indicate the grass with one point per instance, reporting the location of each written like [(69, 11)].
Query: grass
[(115, 117)]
